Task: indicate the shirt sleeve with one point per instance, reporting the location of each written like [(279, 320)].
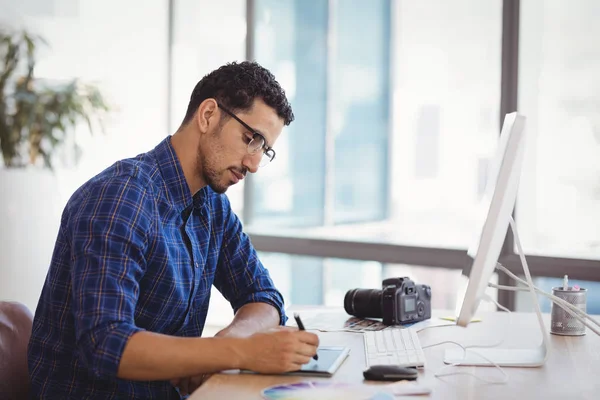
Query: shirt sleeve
[(108, 232), (240, 276)]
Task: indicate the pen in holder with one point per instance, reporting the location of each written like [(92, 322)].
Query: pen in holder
[(561, 322)]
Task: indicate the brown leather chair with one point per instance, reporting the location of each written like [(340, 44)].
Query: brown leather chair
[(15, 330)]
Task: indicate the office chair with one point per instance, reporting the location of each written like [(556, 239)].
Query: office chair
[(15, 330)]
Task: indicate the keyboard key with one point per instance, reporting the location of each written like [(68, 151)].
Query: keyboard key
[(408, 343), (393, 346)]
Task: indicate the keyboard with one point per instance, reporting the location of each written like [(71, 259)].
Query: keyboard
[(394, 346)]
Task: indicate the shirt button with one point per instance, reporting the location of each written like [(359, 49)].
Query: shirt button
[(197, 264)]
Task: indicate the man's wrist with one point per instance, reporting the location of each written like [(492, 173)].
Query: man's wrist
[(236, 348), (226, 353)]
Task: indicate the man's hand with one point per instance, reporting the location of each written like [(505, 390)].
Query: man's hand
[(279, 350), (249, 319)]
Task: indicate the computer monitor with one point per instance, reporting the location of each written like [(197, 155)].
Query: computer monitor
[(495, 215)]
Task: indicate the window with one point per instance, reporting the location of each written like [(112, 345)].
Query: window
[(359, 117), (291, 41), (332, 163), (559, 92), (396, 120), (446, 117), (397, 108)]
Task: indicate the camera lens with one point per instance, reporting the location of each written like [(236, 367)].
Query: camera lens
[(363, 303)]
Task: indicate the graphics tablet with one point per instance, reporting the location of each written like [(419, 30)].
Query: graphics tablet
[(330, 359)]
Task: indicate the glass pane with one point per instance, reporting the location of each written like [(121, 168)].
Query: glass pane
[(325, 281), (447, 285), (439, 94), (291, 41), (446, 117), (525, 304), (298, 278), (344, 275), (360, 109), (559, 93)]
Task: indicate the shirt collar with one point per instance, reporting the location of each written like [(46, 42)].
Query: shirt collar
[(172, 174)]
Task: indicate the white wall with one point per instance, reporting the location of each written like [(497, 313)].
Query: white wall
[(122, 47)]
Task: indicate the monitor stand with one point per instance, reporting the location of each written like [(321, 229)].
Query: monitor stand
[(532, 357)]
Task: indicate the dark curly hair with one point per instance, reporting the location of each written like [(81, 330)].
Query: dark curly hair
[(236, 85)]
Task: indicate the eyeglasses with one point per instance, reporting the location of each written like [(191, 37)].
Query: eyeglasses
[(257, 143)]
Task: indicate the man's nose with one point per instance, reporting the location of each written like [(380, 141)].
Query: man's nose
[(252, 162)]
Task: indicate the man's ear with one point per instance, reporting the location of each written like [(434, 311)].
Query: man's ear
[(206, 116)]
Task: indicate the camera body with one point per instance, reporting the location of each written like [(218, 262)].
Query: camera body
[(403, 301), (400, 301)]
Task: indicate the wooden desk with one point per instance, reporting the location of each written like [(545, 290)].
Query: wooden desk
[(572, 370)]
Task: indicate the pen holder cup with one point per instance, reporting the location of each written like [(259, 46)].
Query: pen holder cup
[(561, 322)]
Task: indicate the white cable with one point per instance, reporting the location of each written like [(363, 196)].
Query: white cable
[(434, 326), (550, 296), (565, 305), (555, 299), (464, 348)]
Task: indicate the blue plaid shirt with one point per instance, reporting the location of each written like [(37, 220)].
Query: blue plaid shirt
[(136, 251)]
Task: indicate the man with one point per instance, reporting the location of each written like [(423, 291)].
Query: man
[(139, 247)]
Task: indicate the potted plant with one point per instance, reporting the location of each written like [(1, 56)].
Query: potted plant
[(38, 121), (37, 115)]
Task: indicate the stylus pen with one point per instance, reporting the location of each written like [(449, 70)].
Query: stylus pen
[(301, 327)]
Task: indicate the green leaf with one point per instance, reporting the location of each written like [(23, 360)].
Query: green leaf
[(52, 110)]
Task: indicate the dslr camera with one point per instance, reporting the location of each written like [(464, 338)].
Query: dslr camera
[(400, 301)]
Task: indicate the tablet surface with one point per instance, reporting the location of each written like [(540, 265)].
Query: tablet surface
[(330, 359)]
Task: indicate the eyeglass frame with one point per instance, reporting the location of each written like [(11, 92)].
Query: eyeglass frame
[(265, 148)]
